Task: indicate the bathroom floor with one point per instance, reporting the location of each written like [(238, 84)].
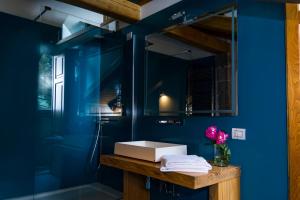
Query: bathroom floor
[(94, 191)]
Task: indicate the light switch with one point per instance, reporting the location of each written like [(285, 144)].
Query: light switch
[(238, 134)]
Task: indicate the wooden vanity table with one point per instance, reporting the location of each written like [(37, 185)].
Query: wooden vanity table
[(223, 182)]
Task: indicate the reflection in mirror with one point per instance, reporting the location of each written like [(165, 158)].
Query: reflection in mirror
[(191, 68), (99, 72)]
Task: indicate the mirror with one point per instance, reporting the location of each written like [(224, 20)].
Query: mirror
[(191, 68)]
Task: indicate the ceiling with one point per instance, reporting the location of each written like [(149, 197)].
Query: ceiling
[(194, 41), (30, 9)]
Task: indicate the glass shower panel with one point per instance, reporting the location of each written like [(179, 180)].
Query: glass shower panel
[(84, 108)]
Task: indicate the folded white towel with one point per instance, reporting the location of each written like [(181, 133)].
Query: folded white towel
[(184, 163), (163, 169)]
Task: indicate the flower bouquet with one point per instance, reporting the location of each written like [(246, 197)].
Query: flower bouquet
[(222, 154)]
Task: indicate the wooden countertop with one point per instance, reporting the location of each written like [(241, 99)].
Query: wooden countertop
[(189, 180)]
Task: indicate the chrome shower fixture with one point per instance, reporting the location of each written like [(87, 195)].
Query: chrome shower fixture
[(46, 8), (177, 15)]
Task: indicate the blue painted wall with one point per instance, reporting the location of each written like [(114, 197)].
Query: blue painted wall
[(262, 100)]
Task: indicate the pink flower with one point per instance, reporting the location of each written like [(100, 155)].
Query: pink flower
[(221, 137), (211, 132)]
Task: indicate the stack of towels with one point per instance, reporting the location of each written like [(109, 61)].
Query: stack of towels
[(184, 163)]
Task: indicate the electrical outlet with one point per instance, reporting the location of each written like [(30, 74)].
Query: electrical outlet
[(238, 134)]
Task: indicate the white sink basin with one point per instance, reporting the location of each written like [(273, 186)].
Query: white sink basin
[(147, 150)]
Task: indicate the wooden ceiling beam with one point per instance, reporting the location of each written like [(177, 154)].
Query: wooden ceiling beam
[(143, 2), (199, 39), (119, 9)]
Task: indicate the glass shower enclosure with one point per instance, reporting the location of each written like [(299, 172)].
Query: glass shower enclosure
[(84, 107)]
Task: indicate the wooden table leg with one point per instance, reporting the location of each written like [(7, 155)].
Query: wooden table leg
[(134, 187), (226, 190)]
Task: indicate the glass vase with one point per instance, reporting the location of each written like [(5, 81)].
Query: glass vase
[(222, 155)]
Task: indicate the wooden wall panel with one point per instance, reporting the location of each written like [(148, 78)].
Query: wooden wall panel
[(293, 99)]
